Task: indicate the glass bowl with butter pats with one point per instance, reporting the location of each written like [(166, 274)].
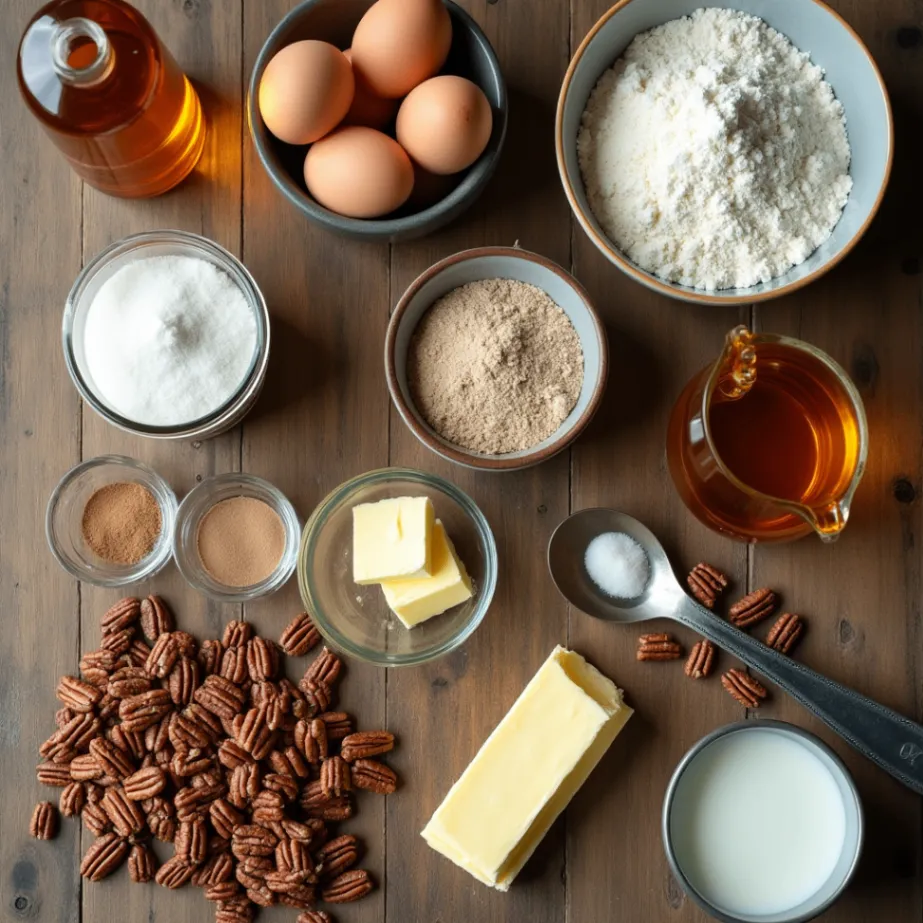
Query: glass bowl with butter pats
[(356, 619)]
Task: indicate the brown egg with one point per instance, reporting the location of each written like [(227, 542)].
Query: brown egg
[(305, 91), (445, 124), (400, 43), (358, 172), (367, 108)]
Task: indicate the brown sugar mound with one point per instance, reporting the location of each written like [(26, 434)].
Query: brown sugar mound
[(495, 366)]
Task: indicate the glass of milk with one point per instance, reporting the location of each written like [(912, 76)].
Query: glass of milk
[(762, 823)]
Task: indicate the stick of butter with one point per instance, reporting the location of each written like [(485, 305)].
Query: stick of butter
[(392, 538), (528, 769), (416, 599)]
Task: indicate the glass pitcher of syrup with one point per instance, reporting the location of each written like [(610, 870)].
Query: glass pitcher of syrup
[(110, 96), (770, 442)]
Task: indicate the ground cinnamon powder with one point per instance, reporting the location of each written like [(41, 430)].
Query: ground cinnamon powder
[(495, 366), (122, 522), (240, 541)]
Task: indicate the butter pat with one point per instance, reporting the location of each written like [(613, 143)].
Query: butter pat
[(528, 769), (416, 599), (392, 538)]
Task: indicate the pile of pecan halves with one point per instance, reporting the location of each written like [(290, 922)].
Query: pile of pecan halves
[(209, 747)]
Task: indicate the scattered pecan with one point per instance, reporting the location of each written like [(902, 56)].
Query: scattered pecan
[(786, 632), (325, 668), (232, 912), (261, 896), (118, 641), (57, 775), (130, 742), (145, 783), (224, 817), (192, 840), (237, 634), (223, 891), (330, 809), (142, 864), (44, 822), (234, 665), (210, 654), (317, 696), (137, 653), (163, 656), (128, 681), (183, 680), (336, 857), (299, 636), (658, 647), (72, 800), (161, 820), (339, 724), (373, 776), (220, 696), (95, 819), (78, 694), (262, 659), (103, 857), (122, 615), (218, 868), (753, 608), (707, 583), (743, 687), (244, 784), (350, 886), (174, 873), (318, 730), (156, 619), (363, 744), (250, 840), (139, 712), (98, 662), (125, 815), (254, 735), (314, 916), (335, 777), (701, 660), (293, 856)]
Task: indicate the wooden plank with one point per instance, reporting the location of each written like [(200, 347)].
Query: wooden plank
[(323, 416), (445, 711), (205, 39), (861, 597), (617, 869), (40, 241)]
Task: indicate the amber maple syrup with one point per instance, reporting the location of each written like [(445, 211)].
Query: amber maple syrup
[(790, 433), (110, 96)]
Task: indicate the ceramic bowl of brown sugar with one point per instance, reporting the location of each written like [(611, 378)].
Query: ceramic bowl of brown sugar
[(496, 359)]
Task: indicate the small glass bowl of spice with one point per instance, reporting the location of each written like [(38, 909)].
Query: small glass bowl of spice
[(110, 521), (236, 538)]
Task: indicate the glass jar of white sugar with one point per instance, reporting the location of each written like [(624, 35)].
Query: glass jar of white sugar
[(166, 335)]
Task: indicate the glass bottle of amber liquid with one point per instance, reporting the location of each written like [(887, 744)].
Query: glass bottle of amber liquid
[(110, 96)]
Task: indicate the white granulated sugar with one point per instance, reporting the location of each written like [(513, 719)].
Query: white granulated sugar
[(618, 565), (714, 153), (168, 340)]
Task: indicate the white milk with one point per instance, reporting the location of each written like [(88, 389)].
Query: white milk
[(758, 823)]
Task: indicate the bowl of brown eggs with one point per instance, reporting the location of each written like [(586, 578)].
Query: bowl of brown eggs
[(378, 120)]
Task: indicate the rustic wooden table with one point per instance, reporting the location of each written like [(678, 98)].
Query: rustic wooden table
[(325, 416)]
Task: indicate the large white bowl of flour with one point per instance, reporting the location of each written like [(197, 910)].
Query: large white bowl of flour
[(709, 163)]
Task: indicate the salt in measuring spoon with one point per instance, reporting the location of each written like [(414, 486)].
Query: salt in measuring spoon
[(888, 739)]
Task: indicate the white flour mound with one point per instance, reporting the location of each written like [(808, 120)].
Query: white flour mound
[(714, 153)]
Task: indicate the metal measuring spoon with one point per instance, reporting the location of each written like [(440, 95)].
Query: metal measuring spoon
[(888, 739)]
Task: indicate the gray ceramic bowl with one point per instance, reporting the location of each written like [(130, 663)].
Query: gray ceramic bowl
[(812, 27), (333, 21), (498, 263)]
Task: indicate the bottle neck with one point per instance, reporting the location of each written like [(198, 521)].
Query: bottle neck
[(81, 53)]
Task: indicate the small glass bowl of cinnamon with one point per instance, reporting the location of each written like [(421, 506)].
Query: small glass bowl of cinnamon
[(110, 520), (235, 538)]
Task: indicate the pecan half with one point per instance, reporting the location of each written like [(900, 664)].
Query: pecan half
[(786, 632), (223, 891), (234, 665), (261, 896), (244, 784), (701, 660), (73, 798), (192, 840), (225, 817), (122, 615), (118, 641), (373, 776), (174, 873), (237, 633), (316, 804), (325, 668), (339, 724), (317, 696), (348, 887), (210, 654), (145, 783), (335, 777), (262, 659), (251, 871), (237, 910), (363, 744), (128, 681), (299, 636), (753, 608), (707, 583), (314, 916), (137, 653), (163, 656), (44, 822), (96, 662), (131, 742), (183, 680), (231, 754), (78, 694), (142, 864), (57, 775), (744, 688), (336, 857), (139, 712), (126, 816), (252, 840), (95, 819), (161, 820), (75, 735), (254, 734), (658, 647), (217, 869), (156, 619), (293, 856), (104, 857), (284, 882)]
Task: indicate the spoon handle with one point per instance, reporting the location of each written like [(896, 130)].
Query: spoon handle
[(886, 738)]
